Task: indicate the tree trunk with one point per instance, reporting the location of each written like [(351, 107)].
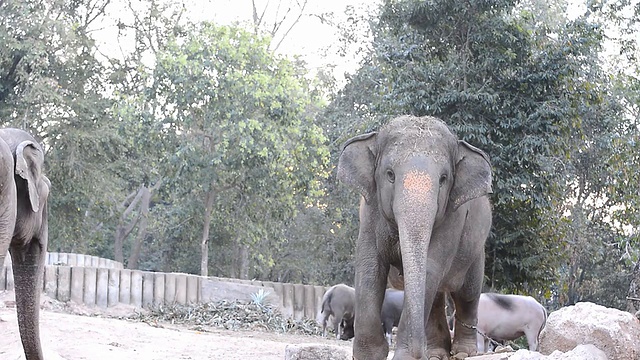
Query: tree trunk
[(142, 229), (633, 296), (123, 230), (204, 245), (243, 261)]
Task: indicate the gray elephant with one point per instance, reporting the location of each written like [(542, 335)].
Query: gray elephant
[(338, 302), (390, 314), (24, 228), (508, 317), (424, 210), (391, 311)]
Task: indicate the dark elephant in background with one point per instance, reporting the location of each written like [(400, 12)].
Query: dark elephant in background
[(338, 302), (391, 311), (424, 210), (24, 228)]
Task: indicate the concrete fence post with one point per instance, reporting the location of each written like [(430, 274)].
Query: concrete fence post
[(90, 285), (287, 299), (125, 286), (169, 288), (192, 289), (148, 280), (63, 259), (158, 289), (50, 281), (77, 284), (63, 292), (181, 289), (102, 287), (309, 302), (136, 288), (113, 295), (298, 301)]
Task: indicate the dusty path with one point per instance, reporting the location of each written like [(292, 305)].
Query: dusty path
[(75, 337)]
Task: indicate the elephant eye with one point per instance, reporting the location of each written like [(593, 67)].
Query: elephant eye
[(443, 179), (391, 176)]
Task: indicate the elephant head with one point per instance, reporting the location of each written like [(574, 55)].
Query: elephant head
[(424, 208), (24, 191)]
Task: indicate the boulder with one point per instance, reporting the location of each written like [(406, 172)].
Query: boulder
[(580, 352), (615, 332), (316, 352)]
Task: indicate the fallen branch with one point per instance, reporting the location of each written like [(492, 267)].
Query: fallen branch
[(633, 298)]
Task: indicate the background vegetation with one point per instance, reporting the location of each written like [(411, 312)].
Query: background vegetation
[(199, 148)]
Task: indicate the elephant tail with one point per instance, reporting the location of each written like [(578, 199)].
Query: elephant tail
[(325, 308), (544, 323)]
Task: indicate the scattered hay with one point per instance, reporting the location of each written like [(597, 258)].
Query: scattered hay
[(229, 315)]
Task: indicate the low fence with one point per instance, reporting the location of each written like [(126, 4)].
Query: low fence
[(74, 277)]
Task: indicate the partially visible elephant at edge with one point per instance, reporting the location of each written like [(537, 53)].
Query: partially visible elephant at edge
[(337, 302), (424, 209), (508, 317), (24, 228)]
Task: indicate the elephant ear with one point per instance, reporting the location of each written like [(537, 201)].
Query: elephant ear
[(472, 175), (29, 161), (356, 166)]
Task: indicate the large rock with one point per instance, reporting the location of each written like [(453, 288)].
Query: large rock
[(615, 332), (316, 352), (581, 352)]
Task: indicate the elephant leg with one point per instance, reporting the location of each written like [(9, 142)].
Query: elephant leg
[(371, 278), (466, 319), (28, 267), (337, 321), (437, 329)]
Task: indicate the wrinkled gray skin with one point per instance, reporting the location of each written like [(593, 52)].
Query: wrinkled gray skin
[(337, 302), (23, 228), (425, 211), (508, 317), (391, 311)]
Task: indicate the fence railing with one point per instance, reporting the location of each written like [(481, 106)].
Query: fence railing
[(75, 277)]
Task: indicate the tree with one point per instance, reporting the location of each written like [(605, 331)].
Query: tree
[(241, 117), (512, 91)]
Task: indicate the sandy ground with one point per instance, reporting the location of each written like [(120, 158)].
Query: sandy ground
[(95, 337)]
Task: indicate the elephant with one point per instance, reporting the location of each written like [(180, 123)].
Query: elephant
[(24, 191), (507, 317), (390, 314), (338, 302), (424, 209), (391, 311)]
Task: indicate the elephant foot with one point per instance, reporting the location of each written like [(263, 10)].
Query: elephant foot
[(374, 350), (437, 354), (465, 341)]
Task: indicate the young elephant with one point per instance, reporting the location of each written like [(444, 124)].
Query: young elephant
[(508, 317), (390, 315), (339, 302), (391, 311), (424, 210)]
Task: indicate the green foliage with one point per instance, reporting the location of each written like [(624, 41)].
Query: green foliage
[(198, 110), (521, 92)]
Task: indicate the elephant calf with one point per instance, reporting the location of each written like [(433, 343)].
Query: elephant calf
[(391, 311), (390, 314), (508, 317), (339, 303)]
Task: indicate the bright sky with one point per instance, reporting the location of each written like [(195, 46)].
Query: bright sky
[(309, 38)]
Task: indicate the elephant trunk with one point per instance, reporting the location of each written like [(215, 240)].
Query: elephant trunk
[(415, 216)]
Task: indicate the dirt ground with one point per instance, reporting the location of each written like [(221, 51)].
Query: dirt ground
[(87, 334)]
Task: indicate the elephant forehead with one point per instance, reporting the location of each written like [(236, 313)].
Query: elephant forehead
[(417, 184)]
